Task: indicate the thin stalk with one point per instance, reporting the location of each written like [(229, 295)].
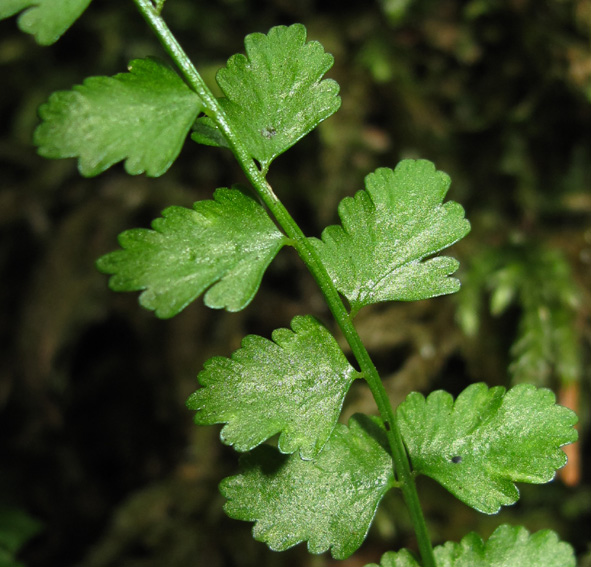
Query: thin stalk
[(309, 256), (211, 106)]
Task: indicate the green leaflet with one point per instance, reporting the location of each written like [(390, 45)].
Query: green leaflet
[(142, 117), (275, 95), (47, 20), (508, 546), (329, 501), (226, 243), (295, 384), (480, 445), (379, 253)]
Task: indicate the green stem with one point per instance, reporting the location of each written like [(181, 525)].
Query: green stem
[(210, 104), (314, 264)]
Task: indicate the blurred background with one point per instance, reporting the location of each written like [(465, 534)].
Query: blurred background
[(100, 464)]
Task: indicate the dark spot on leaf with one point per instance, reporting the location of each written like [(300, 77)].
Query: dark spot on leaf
[(457, 459), (268, 132), (387, 425)]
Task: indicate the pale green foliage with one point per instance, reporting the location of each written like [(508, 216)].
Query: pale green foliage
[(329, 501), (16, 528), (295, 385), (142, 116), (547, 342), (486, 440), (381, 252), (402, 558), (508, 546), (475, 281), (47, 20), (540, 282), (275, 95), (226, 243), (396, 10)]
